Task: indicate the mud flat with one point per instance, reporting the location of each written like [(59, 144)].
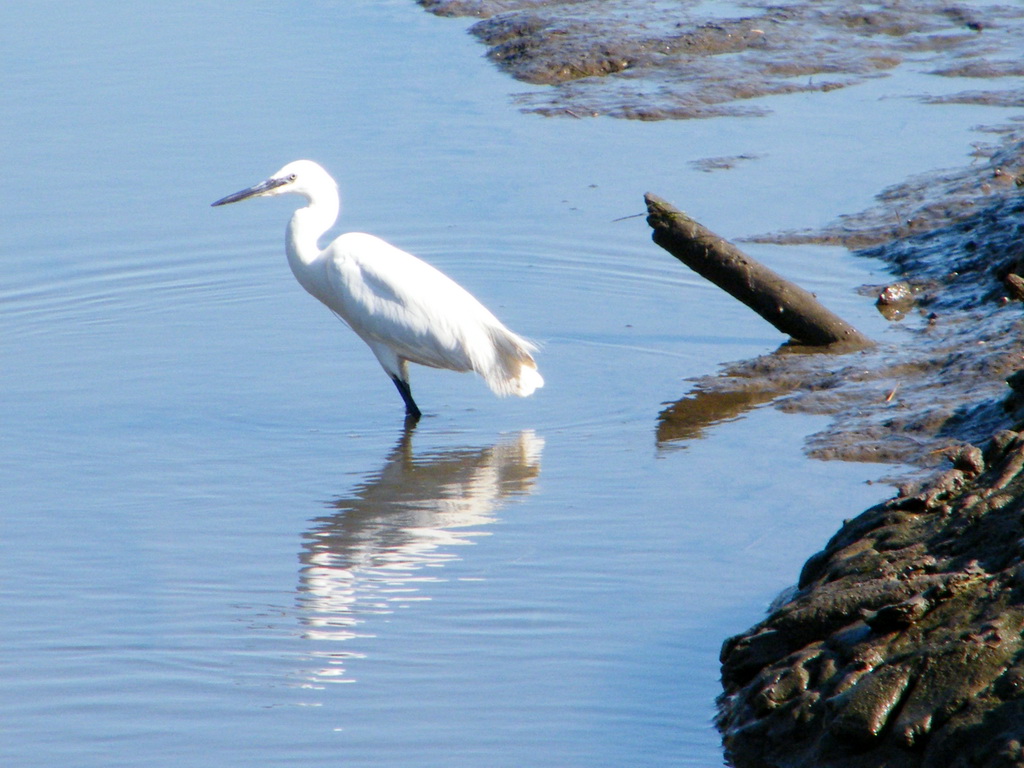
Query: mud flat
[(901, 645), (670, 59)]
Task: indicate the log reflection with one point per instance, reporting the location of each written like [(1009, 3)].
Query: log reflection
[(688, 417)]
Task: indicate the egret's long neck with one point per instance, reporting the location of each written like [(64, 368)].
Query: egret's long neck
[(308, 226), (305, 229)]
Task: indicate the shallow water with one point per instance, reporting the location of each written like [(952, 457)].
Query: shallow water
[(218, 545)]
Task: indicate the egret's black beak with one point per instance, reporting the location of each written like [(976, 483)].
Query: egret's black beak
[(262, 188)]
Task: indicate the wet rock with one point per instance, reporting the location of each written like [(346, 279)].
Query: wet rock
[(897, 293), (895, 301), (892, 618), (934, 679), (968, 459), (860, 713)]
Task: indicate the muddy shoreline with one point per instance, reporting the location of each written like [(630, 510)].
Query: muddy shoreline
[(902, 643), (669, 59), (945, 381)]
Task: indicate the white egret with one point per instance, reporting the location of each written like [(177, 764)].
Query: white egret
[(403, 308)]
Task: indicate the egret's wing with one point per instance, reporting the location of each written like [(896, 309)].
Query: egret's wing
[(390, 297)]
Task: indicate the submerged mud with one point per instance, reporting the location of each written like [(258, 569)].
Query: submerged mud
[(673, 59)]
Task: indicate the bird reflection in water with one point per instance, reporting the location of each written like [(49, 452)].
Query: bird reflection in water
[(368, 557)]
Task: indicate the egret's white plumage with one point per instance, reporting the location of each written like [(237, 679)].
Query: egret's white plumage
[(403, 308)]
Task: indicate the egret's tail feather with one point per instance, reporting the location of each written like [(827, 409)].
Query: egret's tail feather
[(513, 370), (530, 379)]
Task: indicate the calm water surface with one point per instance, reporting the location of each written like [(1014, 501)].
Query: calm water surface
[(217, 545)]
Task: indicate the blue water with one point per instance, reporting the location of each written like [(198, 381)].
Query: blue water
[(217, 545)]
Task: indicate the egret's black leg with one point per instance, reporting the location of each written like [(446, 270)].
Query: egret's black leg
[(411, 411)]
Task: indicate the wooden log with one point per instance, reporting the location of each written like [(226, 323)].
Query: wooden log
[(788, 307)]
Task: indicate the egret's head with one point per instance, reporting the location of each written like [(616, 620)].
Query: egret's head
[(303, 177)]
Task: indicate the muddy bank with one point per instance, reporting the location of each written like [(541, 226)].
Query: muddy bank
[(903, 645), (691, 59), (943, 382)]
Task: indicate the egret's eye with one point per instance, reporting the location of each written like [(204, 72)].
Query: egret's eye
[(292, 177)]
